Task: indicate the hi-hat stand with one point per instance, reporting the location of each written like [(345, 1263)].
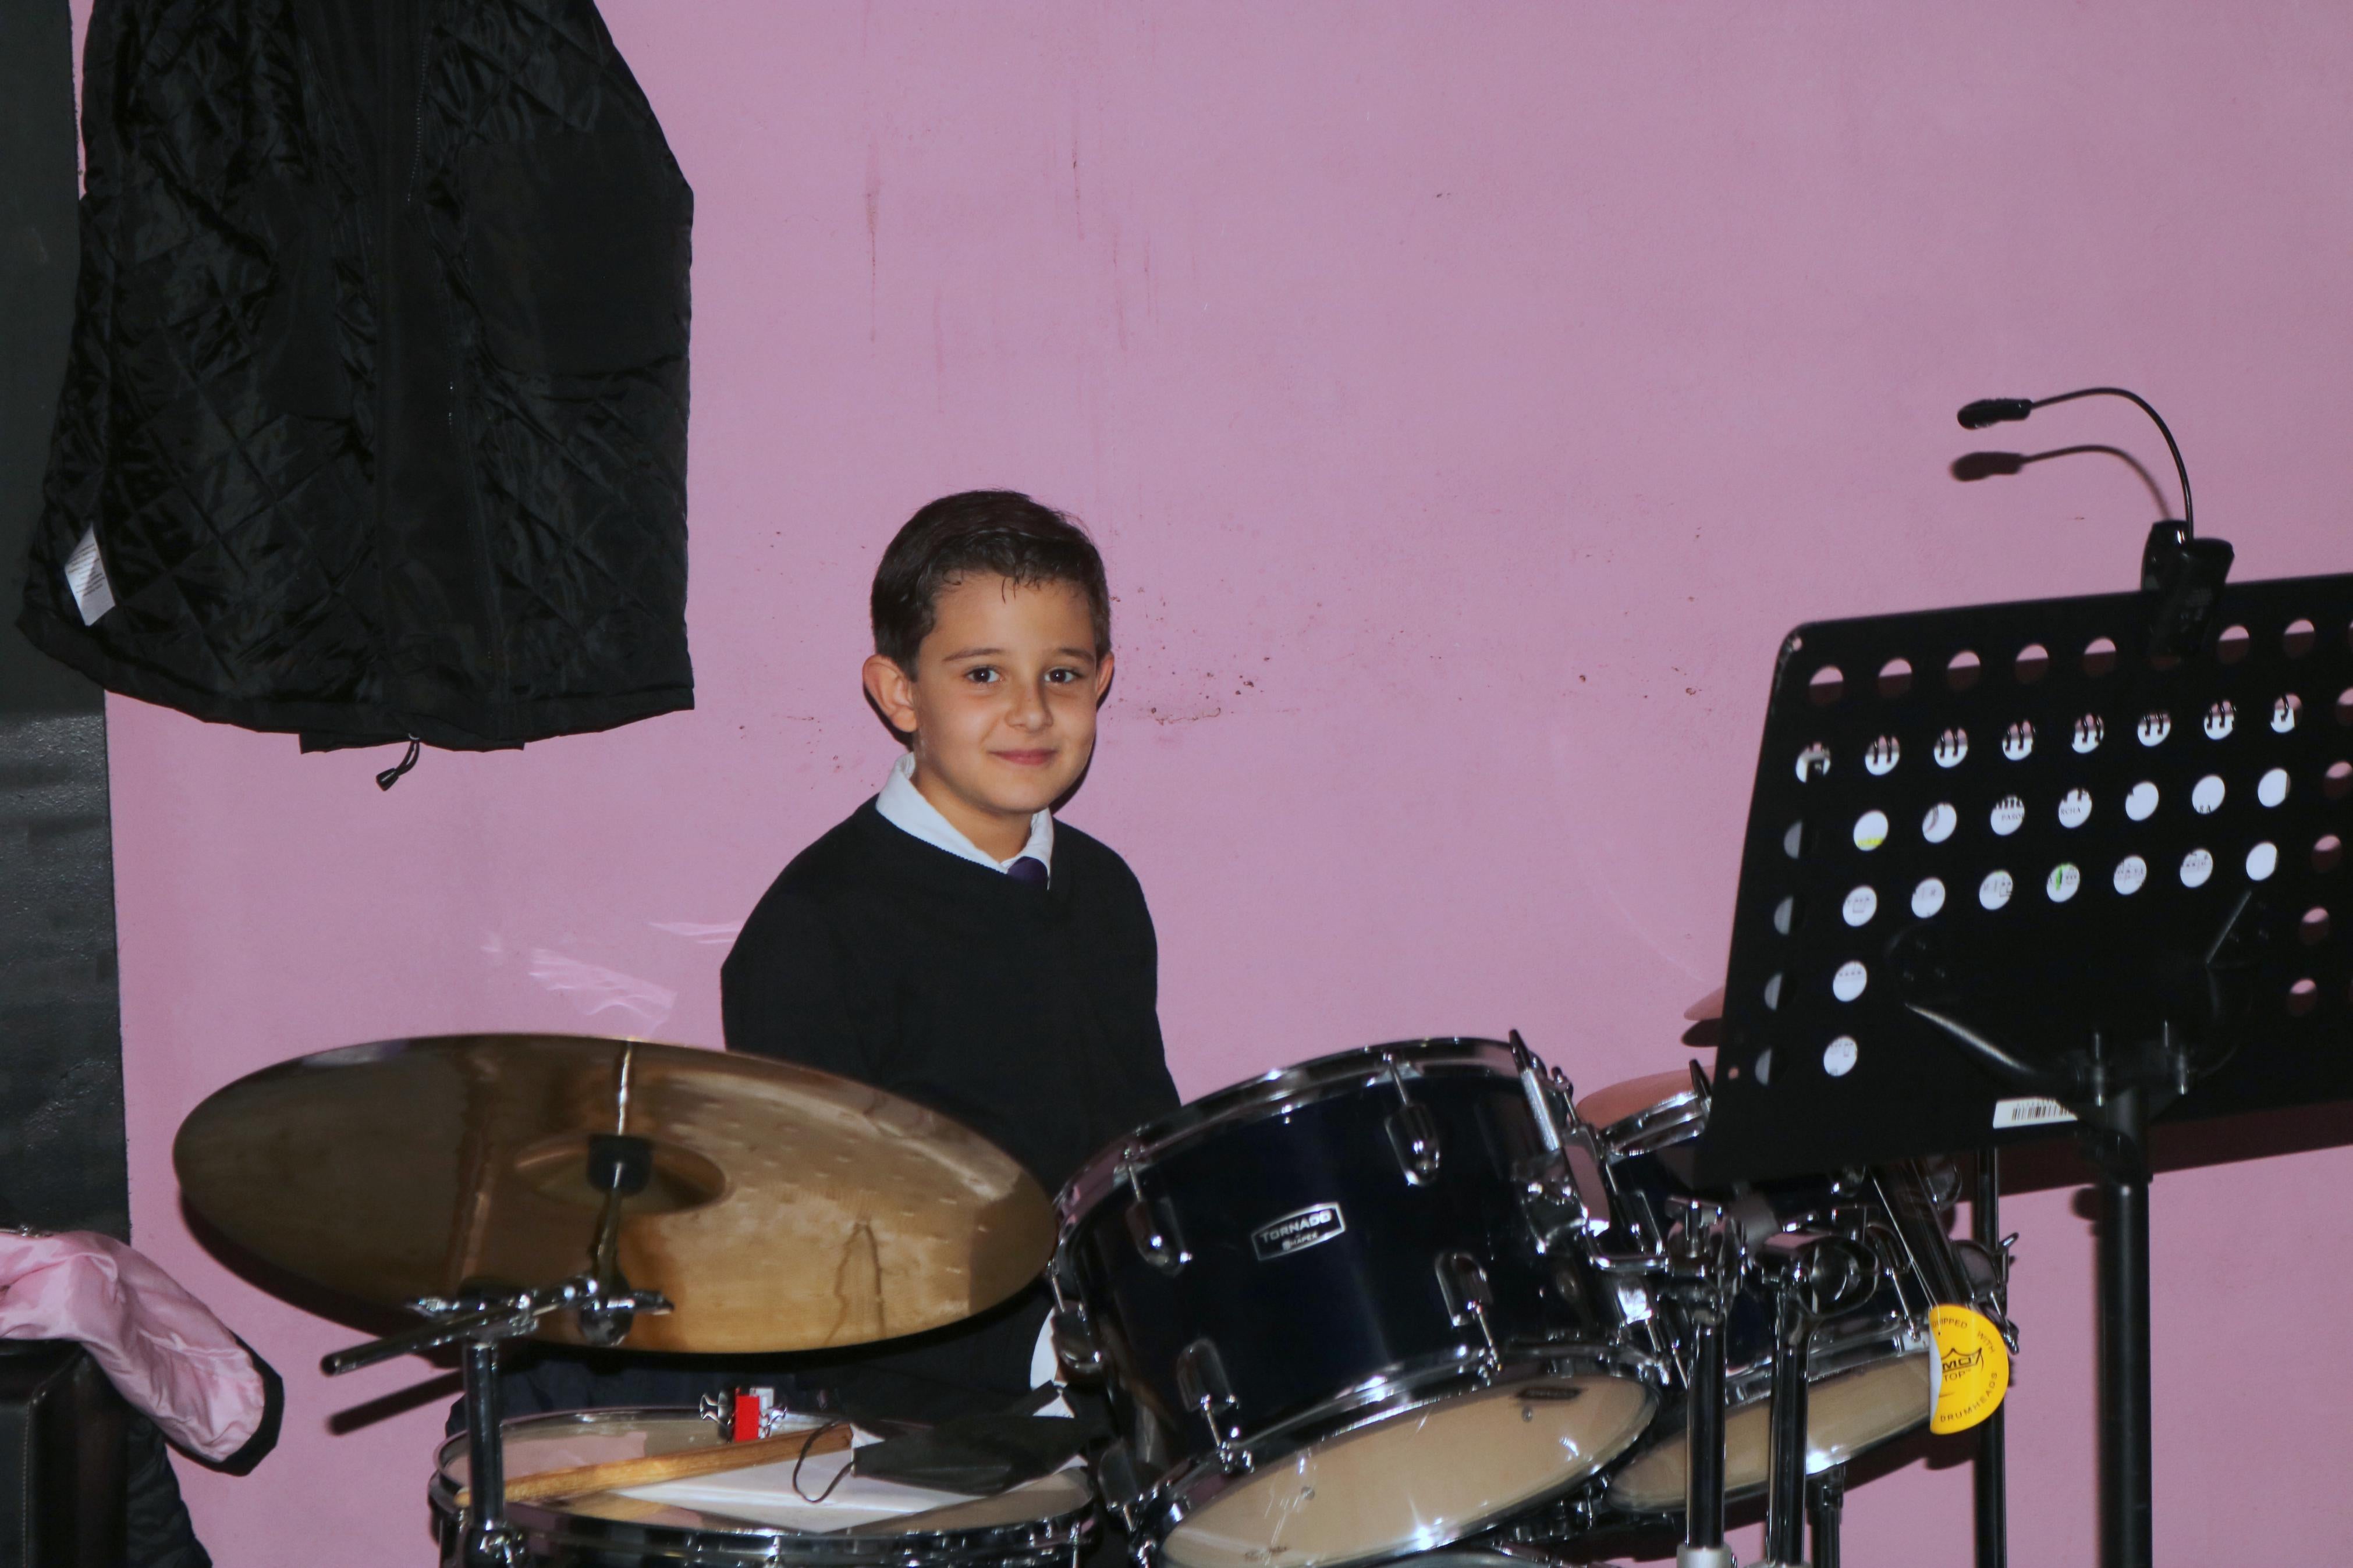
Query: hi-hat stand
[(483, 1317), (2015, 868)]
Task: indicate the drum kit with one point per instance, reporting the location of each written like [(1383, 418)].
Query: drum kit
[(1415, 1300)]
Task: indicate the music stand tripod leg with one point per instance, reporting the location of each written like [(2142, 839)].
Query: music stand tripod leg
[(2117, 1140), (1988, 1469)]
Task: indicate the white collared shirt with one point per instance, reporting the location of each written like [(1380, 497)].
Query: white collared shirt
[(902, 805)]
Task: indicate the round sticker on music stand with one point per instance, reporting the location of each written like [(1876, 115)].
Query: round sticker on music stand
[(2154, 728), (2272, 788), (2131, 872), (2196, 866), (1929, 896), (2206, 795), (1814, 762), (2141, 803), (2008, 815), (1837, 1056), (1882, 755), (2018, 741), (2283, 713), (2062, 882), (1938, 825), (1870, 830), (1773, 992), (1951, 747), (1848, 983), (2220, 719), (1860, 904), (1995, 891), (2261, 861), (2090, 731), (2076, 808)]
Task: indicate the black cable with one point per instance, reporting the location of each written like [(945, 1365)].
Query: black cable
[(2189, 518)]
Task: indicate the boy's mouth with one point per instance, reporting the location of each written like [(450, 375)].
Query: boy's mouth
[(1037, 759)]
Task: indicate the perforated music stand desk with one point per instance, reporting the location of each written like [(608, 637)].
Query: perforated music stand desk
[(1980, 906)]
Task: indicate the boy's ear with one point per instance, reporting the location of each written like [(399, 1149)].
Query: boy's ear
[(1102, 677), (892, 691)]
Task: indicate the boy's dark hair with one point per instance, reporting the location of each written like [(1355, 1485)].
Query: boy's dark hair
[(999, 531)]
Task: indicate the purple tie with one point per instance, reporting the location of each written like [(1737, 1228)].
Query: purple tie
[(1030, 869)]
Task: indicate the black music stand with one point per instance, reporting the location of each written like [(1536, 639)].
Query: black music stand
[(2013, 870)]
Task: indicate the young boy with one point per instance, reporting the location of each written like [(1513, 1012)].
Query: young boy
[(950, 941)]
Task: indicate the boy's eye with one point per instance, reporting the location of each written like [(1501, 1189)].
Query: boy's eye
[(1062, 676), (981, 675)]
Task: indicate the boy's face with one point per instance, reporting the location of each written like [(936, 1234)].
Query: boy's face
[(1001, 703)]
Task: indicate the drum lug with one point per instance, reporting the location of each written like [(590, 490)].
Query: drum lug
[(1152, 1222), (1462, 1283), (1413, 1134), (1075, 1345), (1152, 1225), (1201, 1379)]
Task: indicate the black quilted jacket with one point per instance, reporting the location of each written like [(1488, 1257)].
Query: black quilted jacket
[(377, 396)]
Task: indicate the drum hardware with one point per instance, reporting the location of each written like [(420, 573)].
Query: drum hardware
[(1809, 1283), (1702, 1259), (1201, 1378), (1468, 1301), (1152, 1222), (1825, 1502), (1413, 1132), (483, 1320)]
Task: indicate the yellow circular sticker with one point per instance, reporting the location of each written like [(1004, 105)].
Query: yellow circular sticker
[(1974, 1366)]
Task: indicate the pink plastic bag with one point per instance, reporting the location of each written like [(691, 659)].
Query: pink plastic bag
[(164, 1350)]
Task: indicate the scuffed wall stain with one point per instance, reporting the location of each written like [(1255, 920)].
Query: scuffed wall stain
[(594, 989)]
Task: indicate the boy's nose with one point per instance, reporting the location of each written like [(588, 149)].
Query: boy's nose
[(1030, 709)]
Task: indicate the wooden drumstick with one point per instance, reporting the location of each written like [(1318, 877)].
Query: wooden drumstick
[(719, 1457)]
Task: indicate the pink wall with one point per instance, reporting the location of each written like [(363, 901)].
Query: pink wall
[(1466, 397)]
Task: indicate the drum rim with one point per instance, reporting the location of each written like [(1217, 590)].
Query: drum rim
[(1270, 1093), (1198, 1481), (765, 1543)]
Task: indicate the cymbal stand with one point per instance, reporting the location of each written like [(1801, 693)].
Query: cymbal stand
[(1810, 1282), (484, 1316), (1703, 1267)]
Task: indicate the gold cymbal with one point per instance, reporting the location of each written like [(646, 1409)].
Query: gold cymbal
[(788, 1209)]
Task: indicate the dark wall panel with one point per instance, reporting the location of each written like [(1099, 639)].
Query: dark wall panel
[(61, 1153)]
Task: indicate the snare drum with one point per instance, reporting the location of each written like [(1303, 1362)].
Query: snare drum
[(1338, 1318), (1870, 1372), (755, 1516)]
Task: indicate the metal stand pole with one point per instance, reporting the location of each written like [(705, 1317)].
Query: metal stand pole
[(1785, 1498), (1989, 1470), (1829, 1508), (487, 1540), (1703, 1544), (2125, 1540)]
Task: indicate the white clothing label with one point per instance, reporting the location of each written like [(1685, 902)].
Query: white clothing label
[(2033, 1111), (86, 576)]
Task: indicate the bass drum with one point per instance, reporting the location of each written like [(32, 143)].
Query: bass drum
[(1344, 1311), (754, 1516), (1872, 1371)]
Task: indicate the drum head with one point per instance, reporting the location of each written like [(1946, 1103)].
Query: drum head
[(1846, 1415), (1419, 1478), (758, 1514)]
